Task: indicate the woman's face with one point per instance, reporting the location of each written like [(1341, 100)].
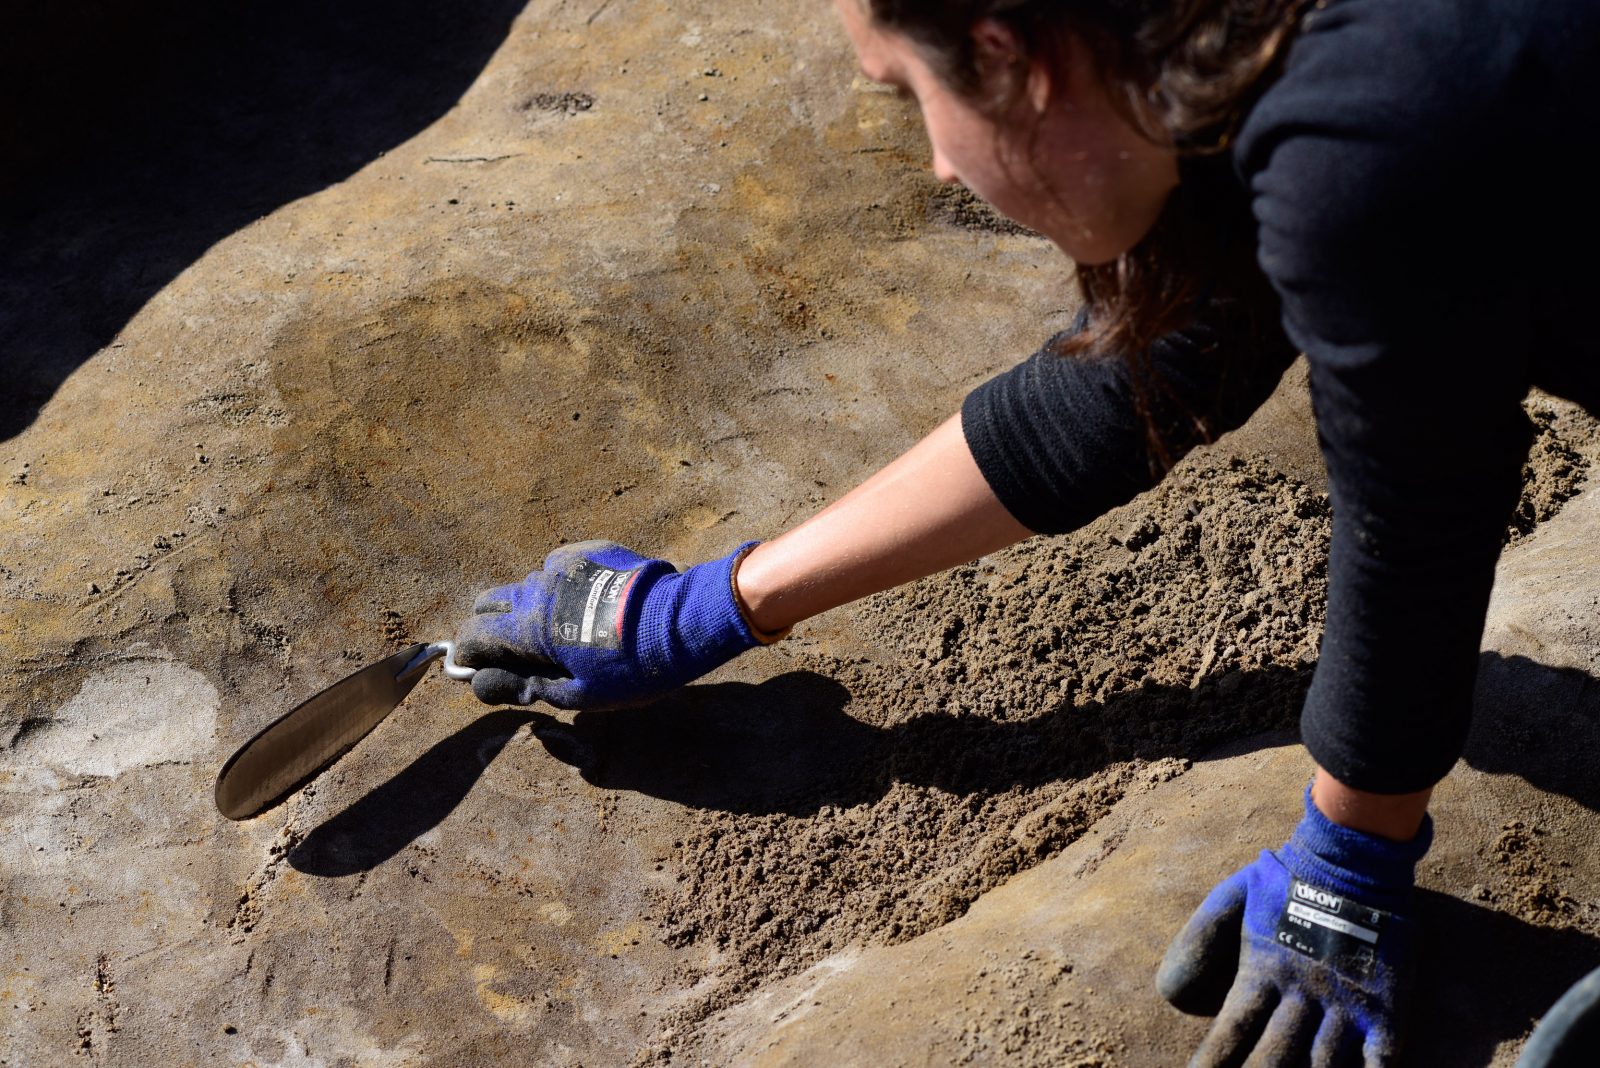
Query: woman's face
[(1057, 159)]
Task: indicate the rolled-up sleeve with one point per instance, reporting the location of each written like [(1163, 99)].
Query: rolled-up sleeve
[(1062, 439)]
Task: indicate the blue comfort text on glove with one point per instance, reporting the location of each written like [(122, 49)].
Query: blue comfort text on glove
[(1330, 927), (1305, 954)]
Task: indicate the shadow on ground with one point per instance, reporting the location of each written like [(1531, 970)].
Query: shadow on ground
[(410, 804), (789, 745), (1540, 723), (1485, 977), (137, 136)]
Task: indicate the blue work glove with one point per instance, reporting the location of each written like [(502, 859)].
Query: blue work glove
[(603, 627), (1312, 945)]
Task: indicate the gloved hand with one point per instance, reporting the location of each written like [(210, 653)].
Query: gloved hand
[(1315, 943), (603, 627)]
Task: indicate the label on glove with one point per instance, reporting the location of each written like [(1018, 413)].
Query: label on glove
[(589, 604), (1331, 927)]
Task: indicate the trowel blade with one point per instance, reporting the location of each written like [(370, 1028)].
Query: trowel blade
[(294, 748)]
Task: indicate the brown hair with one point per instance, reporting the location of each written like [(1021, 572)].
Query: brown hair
[(1184, 73)]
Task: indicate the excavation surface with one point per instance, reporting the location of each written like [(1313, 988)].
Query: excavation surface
[(367, 312)]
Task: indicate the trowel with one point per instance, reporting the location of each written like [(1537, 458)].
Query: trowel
[(300, 744)]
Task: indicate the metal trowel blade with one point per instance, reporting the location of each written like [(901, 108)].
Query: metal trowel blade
[(297, 746)]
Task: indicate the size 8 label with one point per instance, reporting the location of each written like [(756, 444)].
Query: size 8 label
[(589, 603), (1331, 927)]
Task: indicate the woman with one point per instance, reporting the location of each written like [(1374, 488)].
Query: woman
[(1385, 185)]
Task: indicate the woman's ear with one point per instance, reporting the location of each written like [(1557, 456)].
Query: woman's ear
[(1005, 65)]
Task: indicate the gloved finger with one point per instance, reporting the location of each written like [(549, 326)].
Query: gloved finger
[(497, 686), (1289, 1033), (498, 599), (1380, 1049), (508, 640), (1338, 1043), (483, 642), (605, 553), (1238, 1026), (1200, 964), (562, 692)]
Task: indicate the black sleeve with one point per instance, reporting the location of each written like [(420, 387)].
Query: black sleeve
[(1062, 439), (1379, 164)]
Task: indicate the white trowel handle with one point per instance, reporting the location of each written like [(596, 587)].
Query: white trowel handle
[(432, 652), (451, 668)]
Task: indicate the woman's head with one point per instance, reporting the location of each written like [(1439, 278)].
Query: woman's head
[(1077, 117), (1019, 113), (1182, 70)]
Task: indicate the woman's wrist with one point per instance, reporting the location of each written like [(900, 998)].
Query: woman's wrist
[(1397, 817), (751, 594)]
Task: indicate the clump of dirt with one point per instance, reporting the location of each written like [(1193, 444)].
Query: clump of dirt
[(1529, 886), (1049, 1033), (1555, 470), (562, 103), (1015, 702)]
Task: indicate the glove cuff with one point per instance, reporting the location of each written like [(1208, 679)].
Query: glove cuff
[(691, 623), (1376, 870)]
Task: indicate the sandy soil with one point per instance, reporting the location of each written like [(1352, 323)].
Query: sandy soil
[(353, 322)]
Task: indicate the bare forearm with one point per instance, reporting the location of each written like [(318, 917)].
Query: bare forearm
[(928, 510)]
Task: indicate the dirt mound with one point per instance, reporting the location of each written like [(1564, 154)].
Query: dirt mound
[(956, 205), (1555, 469), (1017, 699), (1015, 702)]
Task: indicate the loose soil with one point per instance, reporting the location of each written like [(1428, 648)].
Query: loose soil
[(1013, 702)]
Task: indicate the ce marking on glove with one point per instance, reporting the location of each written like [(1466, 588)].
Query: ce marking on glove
[(1287, 938)]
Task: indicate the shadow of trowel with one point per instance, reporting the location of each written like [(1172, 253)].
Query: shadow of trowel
[(410, 804)]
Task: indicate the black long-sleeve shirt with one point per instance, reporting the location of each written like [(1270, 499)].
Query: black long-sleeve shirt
[(1429, 229)]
